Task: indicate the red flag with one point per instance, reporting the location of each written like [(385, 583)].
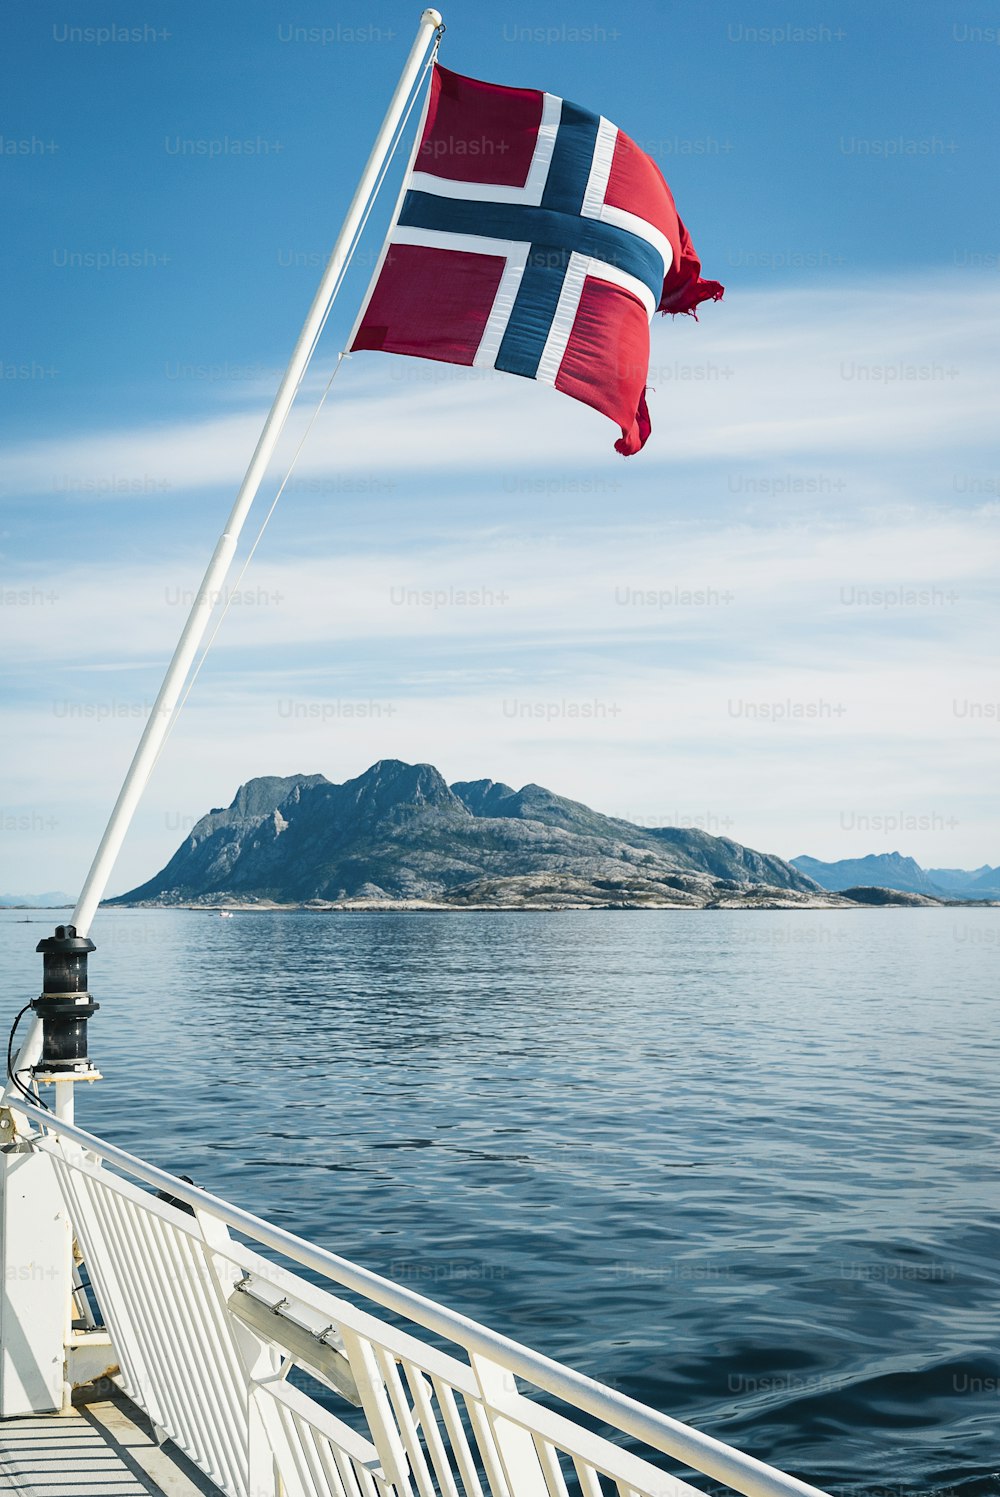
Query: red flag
[(536, 238)]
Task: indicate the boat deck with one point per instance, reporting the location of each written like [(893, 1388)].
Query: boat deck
[(102, 1448)]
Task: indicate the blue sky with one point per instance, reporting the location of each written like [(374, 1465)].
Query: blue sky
[(777, 622)]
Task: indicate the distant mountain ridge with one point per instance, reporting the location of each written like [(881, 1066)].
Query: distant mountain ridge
[(52, 899), (399, 832), (980, 883), (891, 870)]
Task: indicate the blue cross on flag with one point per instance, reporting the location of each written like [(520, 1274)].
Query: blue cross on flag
[(535, 238)]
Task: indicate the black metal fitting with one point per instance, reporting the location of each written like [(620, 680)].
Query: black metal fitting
[(64, 1005)]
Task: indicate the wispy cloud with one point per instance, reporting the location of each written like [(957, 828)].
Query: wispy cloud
[(792, 652), (770, 375), (503, 590)]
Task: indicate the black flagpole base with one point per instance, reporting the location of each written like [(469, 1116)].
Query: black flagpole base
[(64, 1005)]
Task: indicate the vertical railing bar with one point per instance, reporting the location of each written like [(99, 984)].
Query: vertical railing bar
[(173, 1369), (487, 1447), (299, 1437), (197, 1426), (310, 1438), (294, 1445), (263, 1458), (281, 1430), (229, 1414), (368, 1485), (215, 1319), (432, 1434), (378, 1411), (226, 1450), (586, 1476), (220, 1332), (548, 1458), (282, 1455), (88, 1228), (357, 1481), (457, 1436), (332, 1472), (149, 1394), (159, 1246), (275, 1433), (344, 1467), (217, 1336), (404, 1420)]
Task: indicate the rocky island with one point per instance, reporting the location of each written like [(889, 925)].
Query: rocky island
[(398, 836)]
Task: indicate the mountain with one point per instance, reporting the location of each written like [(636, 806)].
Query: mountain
[(891, 870), (399, 833), (981, 883), (884, 870), (51, 900)]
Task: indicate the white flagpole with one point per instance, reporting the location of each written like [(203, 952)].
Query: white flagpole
[(166, 702)]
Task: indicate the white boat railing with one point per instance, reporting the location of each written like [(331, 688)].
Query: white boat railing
[(206, 1331)]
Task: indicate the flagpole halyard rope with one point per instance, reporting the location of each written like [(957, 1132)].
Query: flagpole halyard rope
[(344, 354), (196, 624)]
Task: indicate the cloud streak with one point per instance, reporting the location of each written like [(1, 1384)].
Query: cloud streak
[(779, 616), (768, 375)]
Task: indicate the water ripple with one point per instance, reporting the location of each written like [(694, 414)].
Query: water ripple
[(741, 1166)]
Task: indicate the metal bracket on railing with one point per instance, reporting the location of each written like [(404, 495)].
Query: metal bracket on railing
[(296, 1329)]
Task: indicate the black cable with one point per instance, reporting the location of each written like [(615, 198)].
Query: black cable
[(10, 1043), (13, 1076)]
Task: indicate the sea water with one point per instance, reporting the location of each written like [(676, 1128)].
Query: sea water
[(738, 1164)]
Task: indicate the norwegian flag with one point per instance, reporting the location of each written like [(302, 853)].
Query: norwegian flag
[(534, 237)]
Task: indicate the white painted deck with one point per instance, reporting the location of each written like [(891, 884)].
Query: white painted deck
[(103, 1449)]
